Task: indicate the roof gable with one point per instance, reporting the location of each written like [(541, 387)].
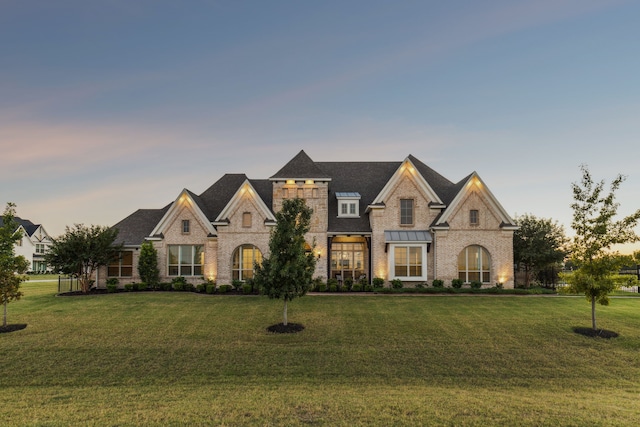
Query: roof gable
[(469, 184), (301, 167), (409, 167), (192, 202), (246, 189)]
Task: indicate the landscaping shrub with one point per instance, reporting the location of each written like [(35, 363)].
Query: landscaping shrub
[(223, 289), (420, 285), (247, 288), (128, 287), (142, 286), (179, 283), (368, 288), (357, 287), (397, 284), (437, 283), (317, 282), (332, 282), (322, 287), (112, 288), (201, 287), (347, 284), (333, 287), (165, 286), (211, 289), (457, 283), (476, 284), (378, 282)]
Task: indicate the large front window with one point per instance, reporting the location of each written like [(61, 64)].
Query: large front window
[(121, 266), (474, 264), (244, 259), (347, 260), (409, 262), (186, 260)]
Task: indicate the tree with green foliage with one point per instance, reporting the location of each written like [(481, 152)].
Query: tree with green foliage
[(81, 250), (596, 232), (12, 267), (538, 244), (148, 265), (287, 272)]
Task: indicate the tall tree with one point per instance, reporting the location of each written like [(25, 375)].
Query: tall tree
[(538, 244), (287, 272), (596, 232), (148, 265), (12, 267), (81, 250)]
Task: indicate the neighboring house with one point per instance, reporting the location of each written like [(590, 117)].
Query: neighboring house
[(391, 220), (33, 245)]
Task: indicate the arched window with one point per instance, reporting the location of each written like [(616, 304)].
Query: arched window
[(244, 258), (474, 263)]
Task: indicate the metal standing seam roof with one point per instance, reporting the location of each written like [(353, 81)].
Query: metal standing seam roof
[(347, 194), (407, 236)]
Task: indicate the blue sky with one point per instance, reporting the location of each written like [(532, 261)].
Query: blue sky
[(109, 106)]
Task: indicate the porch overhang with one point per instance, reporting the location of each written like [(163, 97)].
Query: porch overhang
[(407, 236)]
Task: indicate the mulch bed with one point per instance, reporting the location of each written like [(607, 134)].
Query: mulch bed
[(290, 328), (596, 333), (12, 327)]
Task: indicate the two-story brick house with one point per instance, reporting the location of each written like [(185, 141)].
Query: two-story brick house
[(397, 219)]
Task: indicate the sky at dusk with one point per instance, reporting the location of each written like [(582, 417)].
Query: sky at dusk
[(113, 105)]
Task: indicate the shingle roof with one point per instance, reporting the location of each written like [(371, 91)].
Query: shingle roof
[(29, 227), (366, 178), (301, 166), (133, 229)]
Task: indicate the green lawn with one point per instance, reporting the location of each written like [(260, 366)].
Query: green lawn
[(181, 358)]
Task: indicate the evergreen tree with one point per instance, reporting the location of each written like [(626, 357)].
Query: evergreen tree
[(148, 265)]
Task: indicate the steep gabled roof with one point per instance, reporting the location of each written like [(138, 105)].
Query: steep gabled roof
[(300, 167), (185, 199), (28, 226), (464, 187), (245, 188)]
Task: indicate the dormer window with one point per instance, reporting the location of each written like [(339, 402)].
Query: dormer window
[(348, 204)]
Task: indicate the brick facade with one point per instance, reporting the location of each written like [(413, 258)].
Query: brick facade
[(237, 211)]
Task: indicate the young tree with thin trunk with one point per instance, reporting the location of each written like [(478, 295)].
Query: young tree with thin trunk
[(12, 267), (596, 232), (287, 272), (81, 250)]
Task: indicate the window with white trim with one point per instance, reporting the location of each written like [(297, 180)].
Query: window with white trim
[(185, 260), (408, 261), (244, 259), (474, 263), (348, 204), (186, 226)]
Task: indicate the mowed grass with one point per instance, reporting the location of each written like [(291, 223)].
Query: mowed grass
[(189, 359)]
